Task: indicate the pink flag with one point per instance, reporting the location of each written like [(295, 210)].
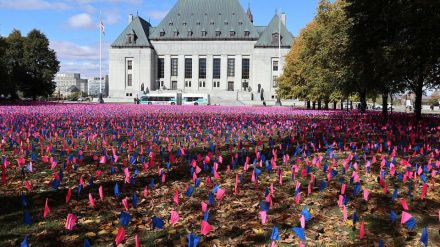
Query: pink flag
[(70, 222), (298, 198), (343, 189), (91, 200), (303, 221), (69, 194), (28, 185), (174, 218), (137, 241), (405, 217), (101, 193), (271, 189), (236, 185), (146, 192), (273, 244), (120, 236), (301, 244), (362, 231), (220, 194), (204, 207), (46, 208), (176, 197), (205, 228), (366, 193), (340, 200), (263, 215), (404, 204), (125, 203), (127, 175), (424, 191)]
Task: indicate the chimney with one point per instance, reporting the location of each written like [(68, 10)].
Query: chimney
[(130, 18), (283, 18)]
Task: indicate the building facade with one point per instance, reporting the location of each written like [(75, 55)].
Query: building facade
[(209, 46), (66, 84), (95, 87)]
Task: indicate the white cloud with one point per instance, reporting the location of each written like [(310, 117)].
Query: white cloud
[(33, 5), (111, 16), (83, 20), (157, 14), (82, 59)]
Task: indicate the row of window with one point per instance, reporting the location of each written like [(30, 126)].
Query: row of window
[(216, 68), (204, 33)]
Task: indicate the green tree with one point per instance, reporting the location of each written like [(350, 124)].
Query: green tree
[(315, 65), (395, 45), (41, 65), (14, 61), (4, 77), (418, 40)]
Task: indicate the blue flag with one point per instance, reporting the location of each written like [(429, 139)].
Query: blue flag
[(393, 216), (189, 191), (197, 183), (395, 194), (275, 234), (424, 237), (210, 199), (322, 185), (264, 206), (124, 218), (27, 218), (381, 243), (157, 222), (206, 215), (134, 200), (193, 240), (299, 232), (411, 223), (25, 243), (87, 243), (151, 183), (116, 190), (305, 212), (23, 201)]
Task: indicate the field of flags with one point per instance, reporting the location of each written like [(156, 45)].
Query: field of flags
[(133, 175)]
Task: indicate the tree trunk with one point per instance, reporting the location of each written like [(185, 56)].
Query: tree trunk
[(319, 105), (418, 103), (326, 105), (363, 98), (308, 105), (385, 105), (335, 105), (342, 104), (314, 105)]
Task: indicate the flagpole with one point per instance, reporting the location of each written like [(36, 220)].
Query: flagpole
[(100, 55)]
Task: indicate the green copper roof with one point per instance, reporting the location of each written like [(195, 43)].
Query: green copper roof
[(266, 38), (138, 29), (206, 20)]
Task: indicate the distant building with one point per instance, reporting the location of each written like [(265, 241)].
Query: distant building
[(94, 86), (210, 46), (66, 84)]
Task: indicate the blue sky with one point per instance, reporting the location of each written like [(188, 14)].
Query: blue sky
[(71, 25)]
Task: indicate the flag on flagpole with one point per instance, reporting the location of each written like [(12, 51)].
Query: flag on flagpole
[(101, 25)]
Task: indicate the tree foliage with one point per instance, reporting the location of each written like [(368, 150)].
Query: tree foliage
[(29, 65), (313, 68), (366, 48)]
